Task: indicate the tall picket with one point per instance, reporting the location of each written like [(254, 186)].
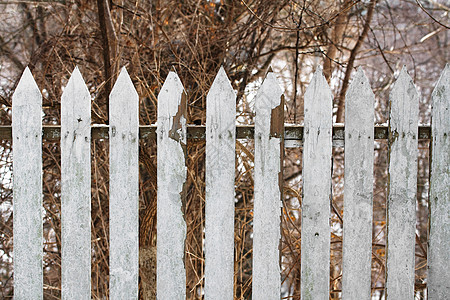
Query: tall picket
[(439, 237), (358, 189), (219, 207), (269, 132), (171, 173), (76, 189), (317, 155), (27, 188), (124, 189), (402, 188)]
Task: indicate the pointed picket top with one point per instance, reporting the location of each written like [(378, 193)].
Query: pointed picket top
[(318, 86), (270, 92), (169, 97), (360, 93), (76, 83), (403, 87), (26, 85), (221, 84), (76, 89), (123, 86), (441, 92)]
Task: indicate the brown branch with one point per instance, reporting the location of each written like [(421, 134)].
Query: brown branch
[(434, 19), (351, 61)]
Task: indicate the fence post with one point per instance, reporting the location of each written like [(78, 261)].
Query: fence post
[(358, 189), (439, 203), (171, 173), (124, 189), (219, 207), (317, 155), (402, 188), (76, 189), (27, 188)]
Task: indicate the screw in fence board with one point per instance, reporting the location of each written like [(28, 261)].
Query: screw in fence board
[(27, 188), (401, 202), (358, 189), (124, 189), (219, 206), (171, 173), (439, 205), (317, 155), (76, 189), (269, 132)]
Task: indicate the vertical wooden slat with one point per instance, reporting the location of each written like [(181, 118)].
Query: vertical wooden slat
[(27, 188), (358, 189), (171, 226), (402, 189), (315, 264), (219, 210), (439, 238), (269, 131), (76, 189), (124, 189)]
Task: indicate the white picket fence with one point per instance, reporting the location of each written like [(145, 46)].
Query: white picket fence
[(220, 195)]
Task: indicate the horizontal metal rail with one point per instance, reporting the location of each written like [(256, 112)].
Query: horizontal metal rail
[(197, 132)]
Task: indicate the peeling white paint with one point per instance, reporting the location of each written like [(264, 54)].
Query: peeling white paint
[(27, 188), (402, 188), (220, 169), (76, 189), (439, 237), (124, 189), (171, 173), (358, 189), (266, 281), (315, 264)]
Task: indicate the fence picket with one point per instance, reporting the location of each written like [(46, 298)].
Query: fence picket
[(219, 206), (401, 203), (124, 189), (76, 189), (269, 131), (358, 189), (439, 237), (315, 244), (171, 173), (27, 188)]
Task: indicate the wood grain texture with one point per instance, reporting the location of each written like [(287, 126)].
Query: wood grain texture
[(27, 188), (219, 207), (358, 189), (439, 206), (315, 248), (266, 282), (402, 188), (171, 173), (124, 189), (76, 189)]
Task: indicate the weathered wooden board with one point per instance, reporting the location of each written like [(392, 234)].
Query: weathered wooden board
[(171, 173), (439, 237), (358, 189), (219, 206), (269, 131), (76, 189), (27, 188), (124, 189), (317, 155), (402, 188)]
